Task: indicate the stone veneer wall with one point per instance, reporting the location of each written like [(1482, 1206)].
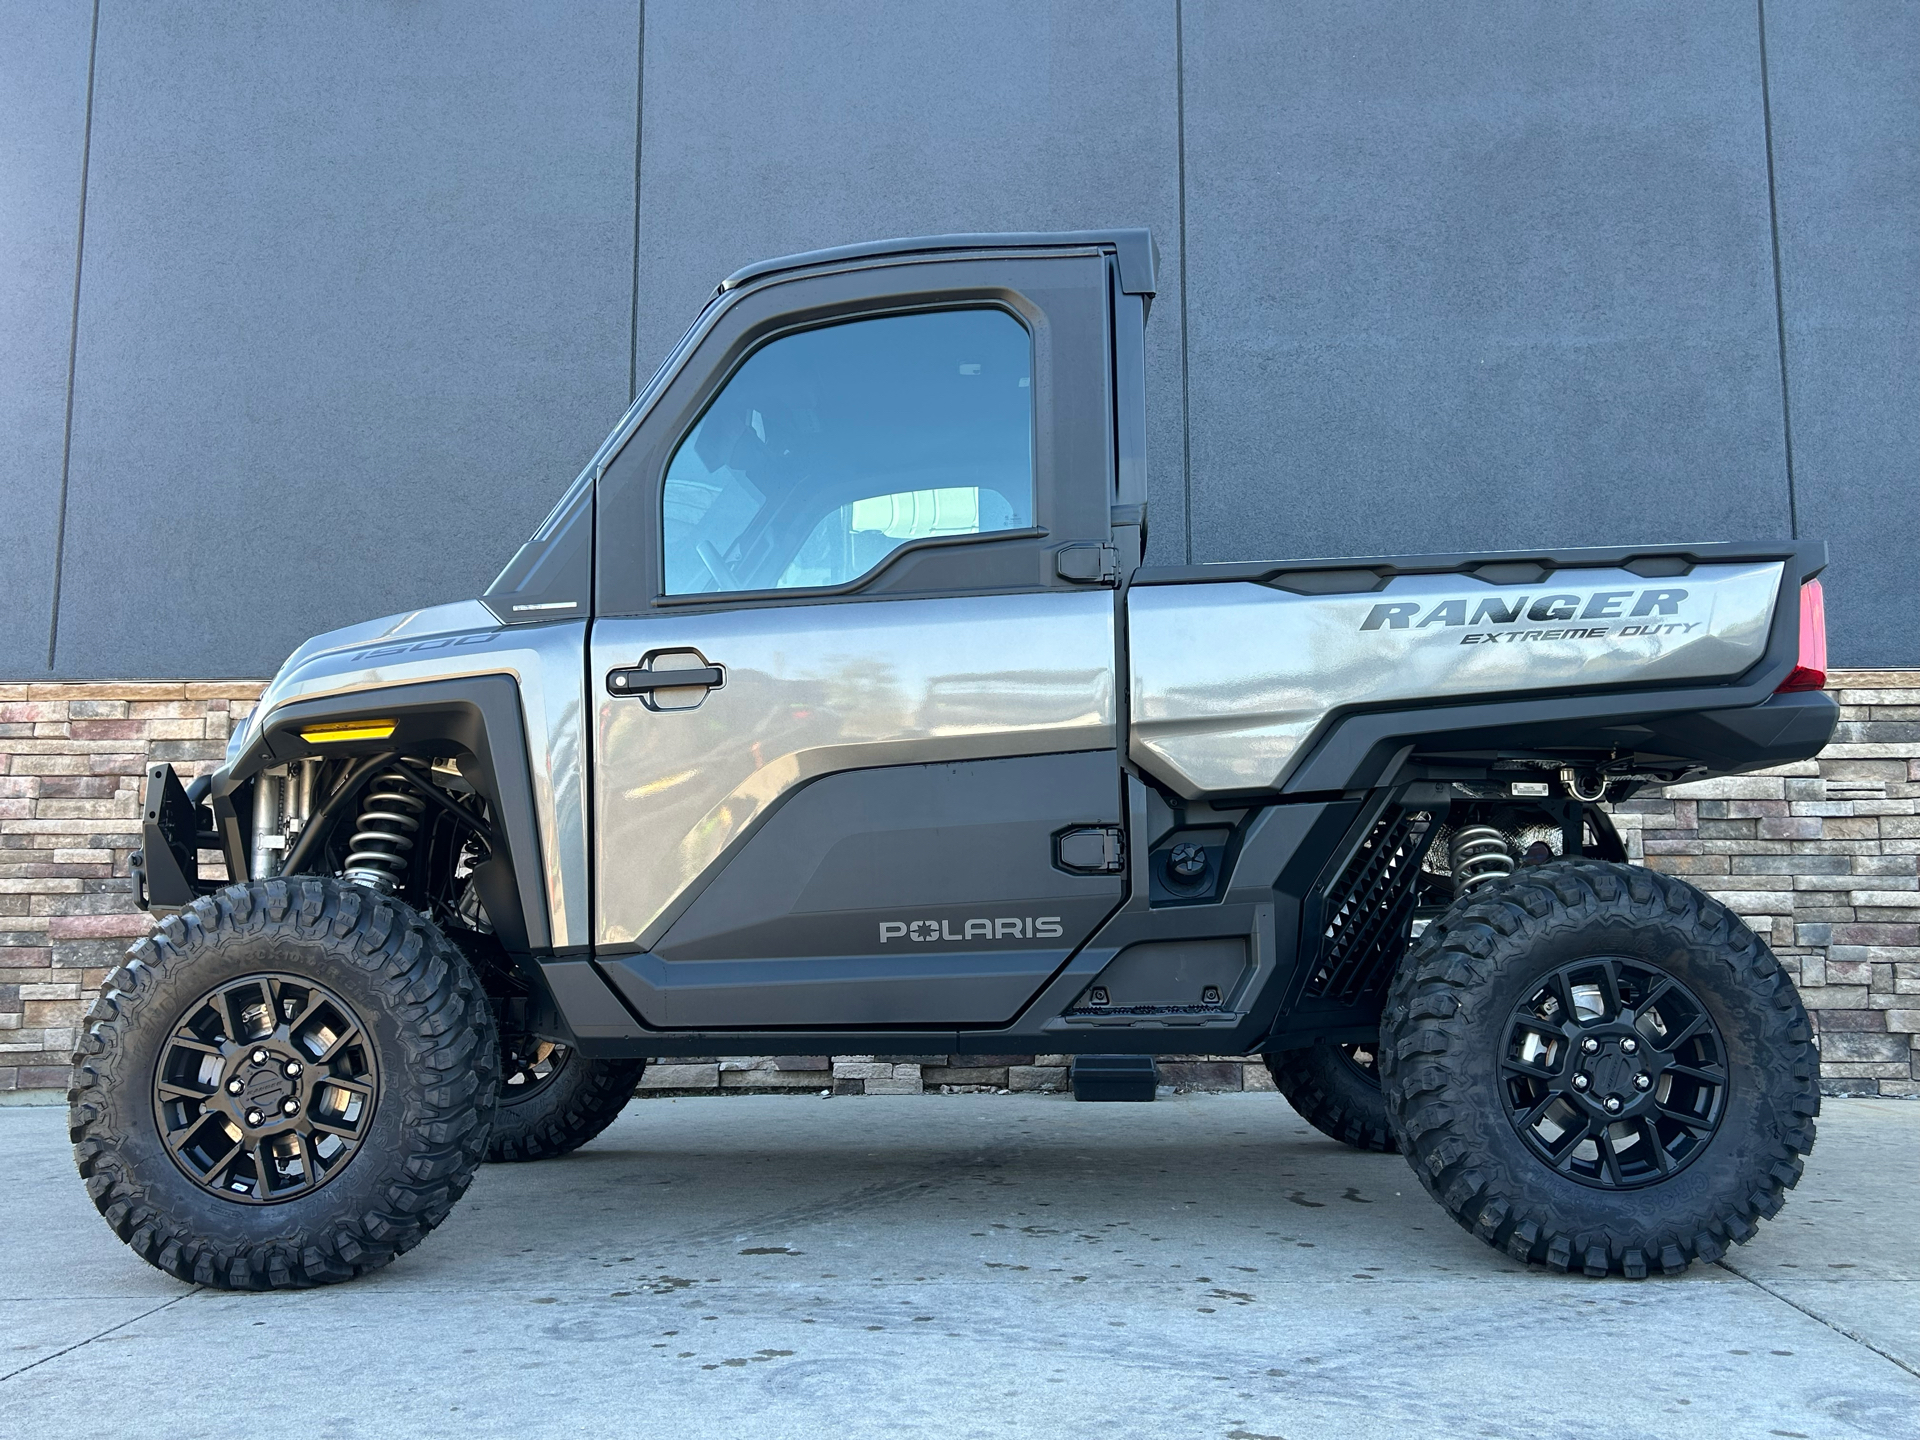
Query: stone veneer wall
[(1821, 858), (73, 763)]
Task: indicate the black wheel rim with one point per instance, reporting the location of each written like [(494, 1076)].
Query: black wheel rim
[(1363, 1060), (1614, 1073), (530, 1066), (265, 1089)]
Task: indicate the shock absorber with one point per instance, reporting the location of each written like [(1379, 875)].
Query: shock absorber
[(382, 842), (1479, 853)]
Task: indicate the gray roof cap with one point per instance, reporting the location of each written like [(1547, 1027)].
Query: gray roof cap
[(1134, 249)]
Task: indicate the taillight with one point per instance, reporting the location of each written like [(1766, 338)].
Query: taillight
[(1811, 671)]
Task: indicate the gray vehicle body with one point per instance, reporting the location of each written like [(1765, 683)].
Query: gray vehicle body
[(932, 809)]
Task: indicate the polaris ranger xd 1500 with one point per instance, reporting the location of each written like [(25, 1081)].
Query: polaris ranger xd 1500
[(832, 709)]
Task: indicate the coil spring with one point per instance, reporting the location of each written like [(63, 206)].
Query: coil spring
[(1479, 853), (381, 846)]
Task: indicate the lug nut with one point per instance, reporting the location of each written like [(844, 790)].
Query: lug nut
[(234, 1087), (1629, 1045), (1580, 1082), (290, 1106), (259, 1056), (1613, 1104), (1643, 1082), (255, 1117), (291, 1069), (1590, 1045)]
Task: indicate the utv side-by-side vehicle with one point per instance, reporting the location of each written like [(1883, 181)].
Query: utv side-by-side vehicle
[(833, 709)]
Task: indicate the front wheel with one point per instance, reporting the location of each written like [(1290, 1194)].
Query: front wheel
[(289, 1083), (1596, 1066)]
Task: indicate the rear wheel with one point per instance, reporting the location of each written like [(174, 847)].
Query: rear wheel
[(1336, 1089), (287, 1084), (1595, 1066), (553, 1099)]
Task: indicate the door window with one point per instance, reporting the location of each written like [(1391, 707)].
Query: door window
[(831, 449)]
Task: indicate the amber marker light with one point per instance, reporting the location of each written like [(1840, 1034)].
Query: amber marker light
[(347, 730)]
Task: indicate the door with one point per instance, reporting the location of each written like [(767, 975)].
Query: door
[(855, 738)]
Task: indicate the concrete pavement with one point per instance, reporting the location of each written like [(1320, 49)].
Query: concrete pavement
[(961, 1266)]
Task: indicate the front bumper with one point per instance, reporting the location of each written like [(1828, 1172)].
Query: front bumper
[(174, 828)]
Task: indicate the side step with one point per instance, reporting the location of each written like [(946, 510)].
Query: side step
[(1114, 1077)]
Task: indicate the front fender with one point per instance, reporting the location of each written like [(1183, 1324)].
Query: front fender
[(517, 691)]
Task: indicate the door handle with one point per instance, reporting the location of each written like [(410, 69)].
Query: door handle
[(636, 681)]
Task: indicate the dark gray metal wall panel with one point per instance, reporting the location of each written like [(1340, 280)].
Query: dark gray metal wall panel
[(357, 307), (775, 127), (43, 99), (1845, 82), (358, 278), (1488, 274)]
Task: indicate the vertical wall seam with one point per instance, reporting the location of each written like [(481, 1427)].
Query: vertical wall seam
[(1180, 139), (639, 118), (73, 347), (1779, 289)]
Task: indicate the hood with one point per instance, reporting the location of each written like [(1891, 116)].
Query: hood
[(319, 665)]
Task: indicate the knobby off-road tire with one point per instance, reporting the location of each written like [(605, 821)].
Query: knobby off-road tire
[(1336, 1089), (544, 1115), (1448, 1078), (426, 1036)]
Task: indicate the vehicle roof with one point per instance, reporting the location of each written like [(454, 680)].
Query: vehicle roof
[(1134, 249)]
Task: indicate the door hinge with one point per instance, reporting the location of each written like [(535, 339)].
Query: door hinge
[(1091, 850), (1087, 564)]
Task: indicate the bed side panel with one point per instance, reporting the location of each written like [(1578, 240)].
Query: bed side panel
[(1231, 680)]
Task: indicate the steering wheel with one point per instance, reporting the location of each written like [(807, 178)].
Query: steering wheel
[(717, 567)]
